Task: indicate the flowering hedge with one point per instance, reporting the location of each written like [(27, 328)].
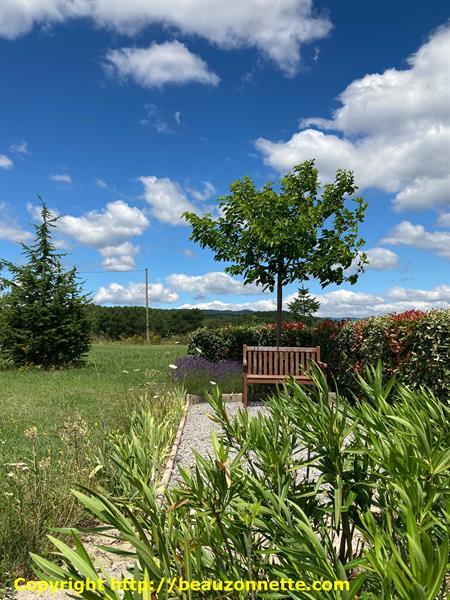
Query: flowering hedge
[(414, 345)]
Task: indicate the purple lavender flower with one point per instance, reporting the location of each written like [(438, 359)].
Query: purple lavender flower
[(197, 365)]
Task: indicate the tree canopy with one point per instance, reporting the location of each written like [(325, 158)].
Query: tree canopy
[(298, 232)]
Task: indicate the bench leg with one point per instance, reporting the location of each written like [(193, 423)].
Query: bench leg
[(244, 392)]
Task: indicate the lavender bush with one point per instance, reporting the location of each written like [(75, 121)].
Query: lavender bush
[(198, 374)]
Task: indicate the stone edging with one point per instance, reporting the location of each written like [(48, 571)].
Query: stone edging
[(194, 399), (167, 473)]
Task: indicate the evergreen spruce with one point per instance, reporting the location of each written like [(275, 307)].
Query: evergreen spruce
[(303, 306), (43, 317)]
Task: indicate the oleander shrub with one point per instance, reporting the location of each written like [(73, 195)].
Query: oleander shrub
[(315, 490)]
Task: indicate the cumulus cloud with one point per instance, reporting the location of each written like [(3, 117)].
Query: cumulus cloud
[(113, 225), (5, 162), (220, 305), (381, 259), (118, 263), (344, 303), (119, 257), (61, 178), (276, 29), (204, 194), (443, 220), (134, 294), (408, 234), (10, 229), (386, 129), (210, 283), (159, 65), (166, 199), (108, 230)]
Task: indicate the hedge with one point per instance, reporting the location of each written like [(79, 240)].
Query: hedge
[(413, 345)]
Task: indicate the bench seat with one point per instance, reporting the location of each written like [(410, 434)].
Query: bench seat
[(271, 364)]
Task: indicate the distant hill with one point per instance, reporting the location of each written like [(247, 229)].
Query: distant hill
[(118, 322)]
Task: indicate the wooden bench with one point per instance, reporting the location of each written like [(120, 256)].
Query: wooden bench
[(264, 364)]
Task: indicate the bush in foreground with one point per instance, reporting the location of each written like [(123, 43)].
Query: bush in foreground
[(315, 490)]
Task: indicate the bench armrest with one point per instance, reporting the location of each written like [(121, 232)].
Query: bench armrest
[(323, 365), (244, 357)]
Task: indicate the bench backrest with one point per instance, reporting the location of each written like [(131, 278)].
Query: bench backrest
[(266, 360)]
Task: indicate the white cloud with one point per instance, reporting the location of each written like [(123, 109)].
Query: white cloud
[(61, 178), (166, 199), (108, 230), (134, 294), (20, 148), (113, 225), (381, 259), (277, 29), (178, 117), (211, 283), (443, 220), (424, 192), (100, 183), (118, 263), (119, 257), (120, 249), (188, 253), (408, 234), (220, 305), (159, 65), (5, 162), (347, 303), (441, 293), (204, 194), (389, 125), (10, 229)]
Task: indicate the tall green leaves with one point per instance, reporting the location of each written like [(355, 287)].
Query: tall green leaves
[(319, 488), (43, 317)]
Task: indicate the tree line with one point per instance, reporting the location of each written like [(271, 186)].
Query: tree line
[(120, 322)]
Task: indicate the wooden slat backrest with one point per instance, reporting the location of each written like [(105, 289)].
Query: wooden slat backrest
[(279, 361)]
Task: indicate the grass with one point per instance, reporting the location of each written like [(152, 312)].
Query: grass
[(53, 427), (98, 392)]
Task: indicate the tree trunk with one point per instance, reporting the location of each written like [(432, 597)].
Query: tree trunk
[(279, 302)]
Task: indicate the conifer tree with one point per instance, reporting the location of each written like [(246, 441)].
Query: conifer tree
[(303, 306), (43, 317)]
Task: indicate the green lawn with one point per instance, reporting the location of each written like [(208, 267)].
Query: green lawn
[(52, 426), (100, 392)]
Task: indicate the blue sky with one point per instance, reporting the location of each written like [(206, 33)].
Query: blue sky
[(122, 115)]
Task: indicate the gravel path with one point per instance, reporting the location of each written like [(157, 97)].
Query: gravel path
[(198, 430)]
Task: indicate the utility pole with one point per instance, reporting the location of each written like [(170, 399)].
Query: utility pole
[(146, 305)]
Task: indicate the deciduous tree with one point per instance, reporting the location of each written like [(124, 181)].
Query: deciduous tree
[(297, 232)]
